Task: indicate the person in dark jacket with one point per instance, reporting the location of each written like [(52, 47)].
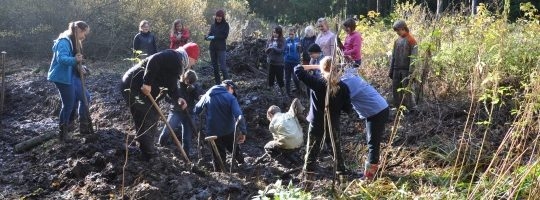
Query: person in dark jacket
[(219, 31), (64, 74), (161, 70), (178, 118), (222, 112), (401, 67), (339, 96), (292, 58), (306, 42), (145, 41), (275, 59)]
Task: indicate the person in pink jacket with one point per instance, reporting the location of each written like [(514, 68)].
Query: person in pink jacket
[(352, 48)]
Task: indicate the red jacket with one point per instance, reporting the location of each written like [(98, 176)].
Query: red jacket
[(175, 43)]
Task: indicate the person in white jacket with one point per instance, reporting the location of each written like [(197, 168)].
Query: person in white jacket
[(286, 131)]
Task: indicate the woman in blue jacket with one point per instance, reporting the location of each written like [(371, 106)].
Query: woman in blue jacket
[(64, 74)]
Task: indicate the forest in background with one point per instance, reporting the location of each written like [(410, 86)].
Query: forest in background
[(28, 27)]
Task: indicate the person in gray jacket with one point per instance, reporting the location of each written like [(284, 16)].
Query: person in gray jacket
[(275, 59)]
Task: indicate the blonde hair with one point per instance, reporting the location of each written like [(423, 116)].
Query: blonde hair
[(309, 31), (142, 23), (330, 74)]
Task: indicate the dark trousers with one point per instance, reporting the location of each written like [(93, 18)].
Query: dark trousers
[(289, 68), (315, 137), (274, 149), (224, 143), (375, 126), (275, 73), (400, 79), (219, 63), (145, 117)]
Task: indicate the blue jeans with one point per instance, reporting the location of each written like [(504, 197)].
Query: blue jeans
[(72, 98), (218, 57), (289, 68), (179, 122)]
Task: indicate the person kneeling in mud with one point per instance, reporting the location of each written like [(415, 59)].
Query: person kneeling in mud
[(286, 132)]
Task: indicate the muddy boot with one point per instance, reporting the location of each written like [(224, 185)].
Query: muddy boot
[(62, 135), (85, 127), (369, 171)]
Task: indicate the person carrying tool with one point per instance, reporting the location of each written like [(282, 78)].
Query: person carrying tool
[(178, 118), (222, 114), (64, 74), (147, 78), (340, 101), (286, 131)]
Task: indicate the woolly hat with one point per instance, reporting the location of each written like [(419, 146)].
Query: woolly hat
[(192, 49), (314, 48), (220, 13)]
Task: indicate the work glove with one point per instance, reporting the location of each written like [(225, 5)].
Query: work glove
[(86, 70)]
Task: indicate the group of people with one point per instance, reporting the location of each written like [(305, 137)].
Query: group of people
[(169, 75), (144, 42)]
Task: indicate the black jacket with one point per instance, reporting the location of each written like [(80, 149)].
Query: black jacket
[(340, 102), (220, 31), (191, 96), (145, 42), (159, 70)]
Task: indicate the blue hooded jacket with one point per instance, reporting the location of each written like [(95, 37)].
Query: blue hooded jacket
[(63, 62), (291, 50), (222, 110)]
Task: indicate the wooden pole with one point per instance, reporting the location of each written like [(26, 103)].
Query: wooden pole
[(171, 130), (3, 94), (81, 70)]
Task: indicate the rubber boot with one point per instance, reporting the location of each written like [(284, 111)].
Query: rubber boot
[(62, 135), (369, 171), (85, 127)]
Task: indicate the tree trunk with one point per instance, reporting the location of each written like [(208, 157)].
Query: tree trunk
[(439, 9), (474, 3), (33, 142)]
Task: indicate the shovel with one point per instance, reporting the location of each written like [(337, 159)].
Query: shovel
[(235, 144), (171, 130)]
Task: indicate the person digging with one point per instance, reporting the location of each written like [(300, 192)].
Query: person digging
[(286, 132), (145, 81), (222, 115)]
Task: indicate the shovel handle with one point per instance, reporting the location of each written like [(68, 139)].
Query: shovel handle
[(171, 130)]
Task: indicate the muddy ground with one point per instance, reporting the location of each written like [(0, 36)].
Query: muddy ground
[(96, 168)]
